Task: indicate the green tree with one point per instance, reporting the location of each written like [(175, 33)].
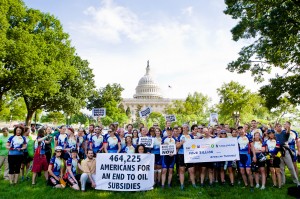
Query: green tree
[(194, 108), (54, 117), (13, 108), (236, 98), (80, 117), (128, 112), (41, 63), (138, 119), (12, 52), (109, 97), (273, 30)]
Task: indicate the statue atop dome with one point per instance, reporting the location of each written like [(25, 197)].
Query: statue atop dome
[(148, 68)]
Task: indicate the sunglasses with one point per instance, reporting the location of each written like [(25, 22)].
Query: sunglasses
[(57, 151)]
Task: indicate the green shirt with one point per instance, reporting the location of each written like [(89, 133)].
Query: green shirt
[(3, 141)]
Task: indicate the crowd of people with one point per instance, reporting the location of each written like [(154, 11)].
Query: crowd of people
[(264, 153)]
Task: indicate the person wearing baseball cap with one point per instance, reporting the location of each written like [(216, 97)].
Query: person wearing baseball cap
[(168, 161), (56, 168), (72, 165)]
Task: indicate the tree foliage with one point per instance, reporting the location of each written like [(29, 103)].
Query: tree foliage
[(273, 29), (110, 98), (13, 108), (193, 108), (38, 62), (236, 98), (54, 117)]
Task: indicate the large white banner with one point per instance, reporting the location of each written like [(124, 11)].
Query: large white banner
[(124, 172), (211, 150)]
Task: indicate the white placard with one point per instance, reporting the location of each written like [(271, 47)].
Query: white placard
[(171, 118), (145, 112), (213, 119), (99, 112), (124, 172), (211, 150), (167, 149), (147, 141)]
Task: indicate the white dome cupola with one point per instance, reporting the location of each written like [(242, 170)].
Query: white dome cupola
[(147, 88)]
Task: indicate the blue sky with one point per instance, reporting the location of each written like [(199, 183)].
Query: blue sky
[(188, 42)]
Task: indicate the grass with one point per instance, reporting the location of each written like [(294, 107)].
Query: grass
[(39, 191)]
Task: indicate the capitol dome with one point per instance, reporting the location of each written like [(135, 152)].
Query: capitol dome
[(147, 88)]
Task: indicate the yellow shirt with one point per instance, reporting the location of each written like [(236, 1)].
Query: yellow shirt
[(89, 166)]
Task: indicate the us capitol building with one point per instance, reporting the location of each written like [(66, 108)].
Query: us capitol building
[(147, 94)]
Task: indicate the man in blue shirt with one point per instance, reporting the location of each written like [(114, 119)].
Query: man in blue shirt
[(282, 136)]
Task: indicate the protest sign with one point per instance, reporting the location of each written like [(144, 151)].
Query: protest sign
[(99, 112), (145, 112), (124, 172), (213, 119), (171, 118), (168, 149), (147, 141), (211, 150)]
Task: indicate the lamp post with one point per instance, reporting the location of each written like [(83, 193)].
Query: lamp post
[(236, 115)]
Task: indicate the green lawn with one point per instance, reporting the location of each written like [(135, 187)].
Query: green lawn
[(25, 190)]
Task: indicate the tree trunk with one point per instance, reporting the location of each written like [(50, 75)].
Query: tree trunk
[(29, 117), (1, 100)]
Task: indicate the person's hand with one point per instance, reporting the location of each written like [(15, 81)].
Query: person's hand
[(93, 184), (254, 159), (56, 178)]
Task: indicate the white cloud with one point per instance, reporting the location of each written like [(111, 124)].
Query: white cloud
[(110, 21), (185, 52), (188, 11)]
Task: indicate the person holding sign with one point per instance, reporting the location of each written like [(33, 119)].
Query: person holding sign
[(96, 141), (168, 161), (257, 144), (272, 147), (207, 165), (182, 166), (156, 151), (89, 170), (143, 139), (56, 169), (112, 142), (245, 147), (39, 159), (129, 148), (71, 174), (168, 125)]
